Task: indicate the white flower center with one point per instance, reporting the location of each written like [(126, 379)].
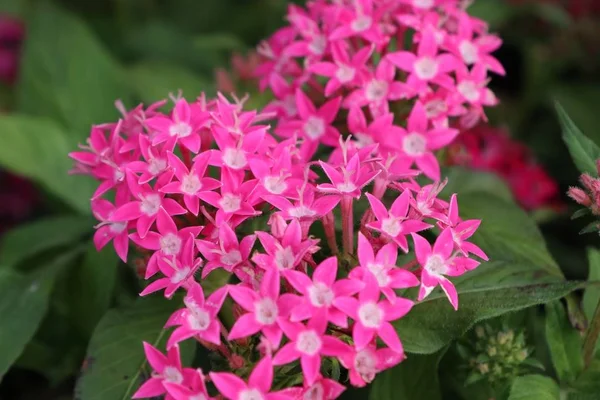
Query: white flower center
[(250, 394), (117, 227), (423, 4), (234, 158), (362, 139), (180, 275), (435, 265), (199, 396), (118, 175), (370, 315), (314, 127), (469, 90), (156, 165), (320, 295), (318, 44), (190, 184), (230, 203), (231, 258), (301, 211), (266, 311), (199, 319), (414, 144), (362, 23), (366, 365), (468, 51), (376, 90), (380, 273), (170, 244), (426, 68), (315, 392), (391, 226), (345, 73), (172, 374), (308, 342), (275, 184), (180, 129), (284, 258), (150, 204), (346, 187), (289, 105), (435, 108)]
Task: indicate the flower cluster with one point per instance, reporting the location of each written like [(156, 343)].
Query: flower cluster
[(491, 149), (209, 191), (589, 197)]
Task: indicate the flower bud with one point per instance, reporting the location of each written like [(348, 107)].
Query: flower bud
[(580, 196)]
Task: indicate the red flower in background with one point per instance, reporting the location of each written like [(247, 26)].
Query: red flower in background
[(491, 149), (12, 32)]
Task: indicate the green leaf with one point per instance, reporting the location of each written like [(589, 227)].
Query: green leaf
[(433, 323), (37, 148), (534, 387), (115, 361), (591, 296), (67, 74), (93, 284), (23, 304), (494, 12), (153, 82), (218, 41), (32, 238), (564, 343), (589, 380), (578, 101), (465, 182), (583, 150), (414, 378)]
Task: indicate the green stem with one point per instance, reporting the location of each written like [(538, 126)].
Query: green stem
[(589, 344)]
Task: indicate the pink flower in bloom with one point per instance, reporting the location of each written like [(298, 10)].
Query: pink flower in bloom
[(438, 262), (462, 230), (108, 229), (372, 317), (322, 389), (364, 364), (395, 224), (195, 391), (199, 318), (349, 181), (184, 125), (320, 292)]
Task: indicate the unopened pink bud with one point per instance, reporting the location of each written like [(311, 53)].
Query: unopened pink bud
[(278, 225), (236, 362), (580, 196), (590, 183)]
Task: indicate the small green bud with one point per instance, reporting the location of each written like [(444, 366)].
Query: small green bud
[(480, 331), (483, 368), (492, 351)]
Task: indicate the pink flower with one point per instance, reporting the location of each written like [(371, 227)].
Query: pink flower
[(322, 389), (308, 343), (349, 181), (200, 317), (320, 292), (364, 364), (108, 229), (196, 390), (191, 184), (395, 224), (155, 159), (417, 141), (167, 369), (265, 309), (257, 388), (307, 208), (383, 268), (372, 317), (438, 263), (363, 21), (167, 242), (184, 125), (462, 230), (227, 253)]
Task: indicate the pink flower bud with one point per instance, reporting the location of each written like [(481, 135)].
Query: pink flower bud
[(592, 184), (278, 225), (236, 362), (580, 196)]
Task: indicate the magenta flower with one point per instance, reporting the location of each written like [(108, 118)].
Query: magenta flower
[(192, 184), (183, 125), (438, 262), (372, 317), (257, 388), (265, 309), (322, 389), (363, 365), (200, 317), (462, 230), (349, 181), (308, 343), (108, 229), (307, 208), (381, 130), (427, 66), (195, 391), (362, 21), (320, 292), (417, 142), (155, 159), (383, 268), (395, 224), (227, 253), (235, 152), (167, 369), (275, 175), (145, 208), (167, 242)]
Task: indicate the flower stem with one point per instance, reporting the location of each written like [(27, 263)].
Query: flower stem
[(347, 225), (589, 344), (329, 228)]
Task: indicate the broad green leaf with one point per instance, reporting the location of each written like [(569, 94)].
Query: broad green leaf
[(534, 387), (414, 378), (564, 343), (589, 381), (37, 148), (115, 364), (578, 101), (494, 12), (67, 74), (591, 296), (153, 82), (433, 323), (465, 182), (23, 303), (93, 284), (27, 240), (583, 150)]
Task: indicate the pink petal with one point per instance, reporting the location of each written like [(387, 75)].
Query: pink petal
[(329, 110), (227, 384), (262, 375), (377, 206), (388, 335), (155, 358), (365, 250), (444, 244), (429, 165), (245, 326), (326, 272), (243, 296), (400, 206), (403, 60), (422, 248), (304, 105), (395, 311), (286, 354), (311, 365), (362, 336), (450, 291), (153, 387)]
